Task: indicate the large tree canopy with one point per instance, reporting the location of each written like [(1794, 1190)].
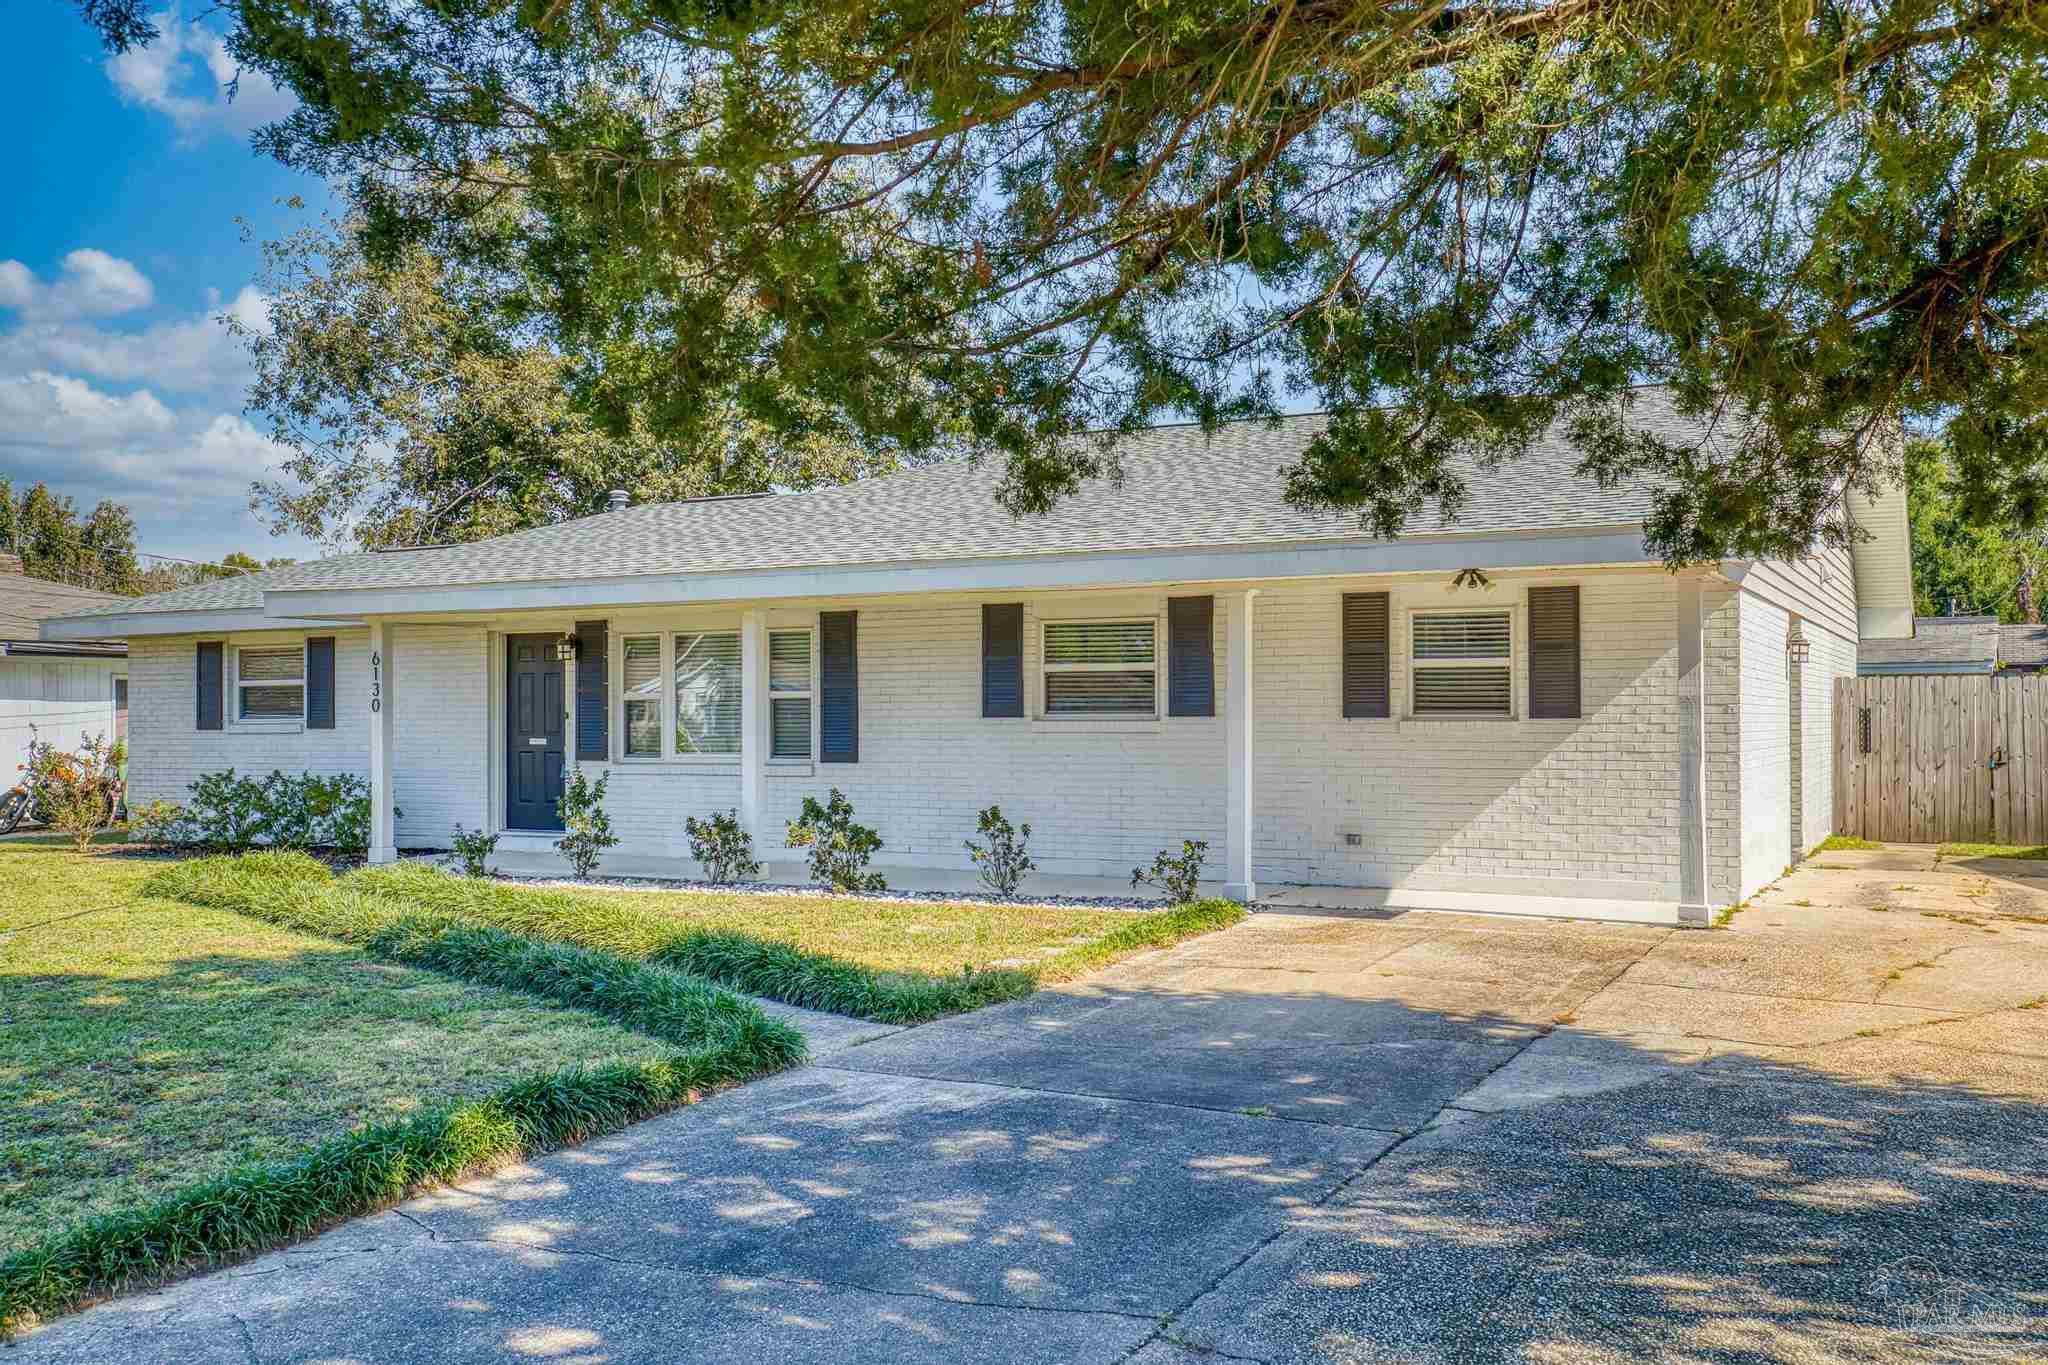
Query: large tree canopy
[(924, 225), (419, 407)]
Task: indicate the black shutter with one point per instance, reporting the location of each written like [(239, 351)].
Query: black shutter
[(320, 682), (1554, 653), (1002, 659), (1190, 656), (593, 733), (839, 686), (1365, 656), (209, 684)]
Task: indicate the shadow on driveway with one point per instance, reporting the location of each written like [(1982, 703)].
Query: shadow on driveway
[(1132, 1172)]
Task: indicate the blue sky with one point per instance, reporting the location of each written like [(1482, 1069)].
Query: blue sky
[(118, 251)]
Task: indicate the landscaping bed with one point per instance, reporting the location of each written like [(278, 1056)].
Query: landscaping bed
[(892, 962)]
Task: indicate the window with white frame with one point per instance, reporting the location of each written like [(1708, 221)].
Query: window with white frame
[(690, 682), (1461, 663), (789, 694), (640, 683), (707, 691), (270, 682), (1101, 668)]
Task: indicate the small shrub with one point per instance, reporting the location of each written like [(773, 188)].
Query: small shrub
[(725, 849), (475, 848), (229, 811), (586, 829), (1177, 877), (78, 792), (840, 849), (156, 823), (1002, 861)]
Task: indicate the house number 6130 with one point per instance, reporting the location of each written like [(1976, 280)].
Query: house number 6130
[(376, 682)]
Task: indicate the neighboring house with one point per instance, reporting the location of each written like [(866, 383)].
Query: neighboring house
[(2023, 649), (1184, 655), (66, 690), (1938, 644), (1958, 644)]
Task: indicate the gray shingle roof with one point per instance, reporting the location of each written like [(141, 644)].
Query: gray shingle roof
[(1938, 640), (25, 601), (2023, 646), (1182, 490)]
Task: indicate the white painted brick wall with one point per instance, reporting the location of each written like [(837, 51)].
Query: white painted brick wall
[(1721, 606), (1585, 807), (1766, 742), (167, 751), (1099, 798), (441, 730), (440, 738)]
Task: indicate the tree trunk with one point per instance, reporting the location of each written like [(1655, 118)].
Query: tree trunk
[(2023, 594)]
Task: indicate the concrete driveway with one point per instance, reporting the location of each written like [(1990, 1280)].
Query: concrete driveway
[(1815, 1135)]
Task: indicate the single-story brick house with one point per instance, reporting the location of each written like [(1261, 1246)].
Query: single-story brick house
[(1574, 730)]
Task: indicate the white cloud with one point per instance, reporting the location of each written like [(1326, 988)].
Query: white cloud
[(189, 75), (197, 354), (92, 284), (61, 429)]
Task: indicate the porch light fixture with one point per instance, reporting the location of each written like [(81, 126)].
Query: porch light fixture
[(1796, 648), (565, 649)]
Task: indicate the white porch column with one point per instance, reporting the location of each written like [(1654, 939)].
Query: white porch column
[(383, 834), (753, 723), (1692, 757), (1238, 724)]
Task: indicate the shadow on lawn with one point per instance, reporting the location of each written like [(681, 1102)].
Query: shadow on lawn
[(1089, 1165)]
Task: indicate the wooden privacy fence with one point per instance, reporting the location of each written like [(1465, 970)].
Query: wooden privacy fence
[(1927, 758)]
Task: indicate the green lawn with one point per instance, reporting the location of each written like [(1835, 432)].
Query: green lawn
[(2033, 851), (891, 936), (1845, 843), (148, 1043)]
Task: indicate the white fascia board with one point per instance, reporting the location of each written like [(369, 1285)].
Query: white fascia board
[(130, 624), (1596, 546)]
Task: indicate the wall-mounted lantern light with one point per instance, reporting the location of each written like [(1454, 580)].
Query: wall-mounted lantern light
[(1796, 648), (565, 649)]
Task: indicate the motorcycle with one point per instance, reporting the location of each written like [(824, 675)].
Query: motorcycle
[(22, 803)]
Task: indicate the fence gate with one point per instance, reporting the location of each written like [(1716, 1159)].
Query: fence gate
[(1923, 759)]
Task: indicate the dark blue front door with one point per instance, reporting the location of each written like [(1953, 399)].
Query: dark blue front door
[(535, 750)]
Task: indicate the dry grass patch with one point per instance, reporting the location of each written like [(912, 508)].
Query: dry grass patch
[(148, 1043)]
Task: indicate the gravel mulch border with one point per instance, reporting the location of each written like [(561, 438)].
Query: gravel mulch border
[(448, 862)]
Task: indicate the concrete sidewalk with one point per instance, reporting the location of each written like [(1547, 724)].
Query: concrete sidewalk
[(1816, 1134)]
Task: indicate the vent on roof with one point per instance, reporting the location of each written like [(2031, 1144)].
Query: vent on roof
[(619, 499)]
